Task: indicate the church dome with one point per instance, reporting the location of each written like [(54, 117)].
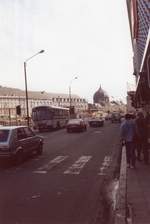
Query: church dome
[(100, 96)]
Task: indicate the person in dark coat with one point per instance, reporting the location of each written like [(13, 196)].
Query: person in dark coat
[(142, 137), (127, 131)]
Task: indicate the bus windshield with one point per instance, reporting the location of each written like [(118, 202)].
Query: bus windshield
[(41, 114)]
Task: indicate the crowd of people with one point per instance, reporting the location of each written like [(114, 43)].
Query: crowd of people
[(134, 135)]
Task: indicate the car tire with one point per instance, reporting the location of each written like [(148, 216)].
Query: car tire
[(19, 157), (40, 130), (58, 125), (39, 149)]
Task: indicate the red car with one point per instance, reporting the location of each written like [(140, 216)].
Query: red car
[(74, 125)]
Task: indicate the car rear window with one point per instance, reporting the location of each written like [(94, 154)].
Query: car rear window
[(4, 135), (74, 122)]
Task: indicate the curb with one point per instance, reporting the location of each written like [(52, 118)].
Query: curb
[(121, 199), (129, 214)]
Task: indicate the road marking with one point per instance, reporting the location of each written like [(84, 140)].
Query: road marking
[(53, 163), (40, 171), (101, 171), (97, 132), (78, 165), (106, 163)]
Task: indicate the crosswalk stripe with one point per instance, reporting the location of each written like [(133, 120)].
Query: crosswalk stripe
[(78, 165), (51, 164), (106, 163)]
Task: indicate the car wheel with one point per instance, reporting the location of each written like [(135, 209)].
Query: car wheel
[(40, 130), (39, 149), (83, 129), (19, 157), (58, 125)]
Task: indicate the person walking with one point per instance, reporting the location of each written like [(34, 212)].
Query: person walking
[(142, 137), (127, 131)]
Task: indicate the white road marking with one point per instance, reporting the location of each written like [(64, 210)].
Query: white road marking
[(40, 171), (51, 164), (97, 132), (78, 165), (107, 158), (106, 163), (102, 171)]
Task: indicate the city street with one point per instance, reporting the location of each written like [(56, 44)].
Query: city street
[(62, 186)]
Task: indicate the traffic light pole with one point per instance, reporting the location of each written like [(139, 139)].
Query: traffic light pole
[(26, 91), (69, 96)]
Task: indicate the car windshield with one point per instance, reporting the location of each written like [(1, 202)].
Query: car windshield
[(74, 121), (4, 135)]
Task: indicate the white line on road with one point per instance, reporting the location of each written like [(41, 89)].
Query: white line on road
[(97, 132), (78, 165), (106, 163), (51, 164), (40, 171)]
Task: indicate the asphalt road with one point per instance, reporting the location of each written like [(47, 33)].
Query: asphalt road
[(62, 186)]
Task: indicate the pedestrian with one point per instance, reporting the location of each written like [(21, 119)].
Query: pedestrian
[(142, 137), (127, 131)]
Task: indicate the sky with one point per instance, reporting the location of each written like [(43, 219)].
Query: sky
[(88, 39)]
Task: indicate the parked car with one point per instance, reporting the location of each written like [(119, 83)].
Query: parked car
[(18, 141), (76, 125), (96, 122), (115, 118)]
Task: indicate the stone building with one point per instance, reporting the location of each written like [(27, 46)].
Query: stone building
[(100, 97), (11, 97), (104, 105)]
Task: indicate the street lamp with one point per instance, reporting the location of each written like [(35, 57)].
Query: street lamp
[(70, 100), (26, 89)]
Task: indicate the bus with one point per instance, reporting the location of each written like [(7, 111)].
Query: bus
[(49, 117)]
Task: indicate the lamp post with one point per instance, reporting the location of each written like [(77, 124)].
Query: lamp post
[(70, 100), (26, 87)]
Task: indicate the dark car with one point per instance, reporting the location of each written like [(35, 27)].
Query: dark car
[(96, 122), (115, 118), (18, 141), (76, 125)]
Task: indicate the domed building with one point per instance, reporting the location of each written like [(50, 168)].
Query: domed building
[(100, 97)]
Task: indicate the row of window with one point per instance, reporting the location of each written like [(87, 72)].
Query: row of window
[(143, 26), (9, 101)]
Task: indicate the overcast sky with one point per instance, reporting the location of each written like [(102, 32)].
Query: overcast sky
[(85, 38)]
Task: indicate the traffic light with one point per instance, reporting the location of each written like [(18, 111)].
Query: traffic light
[(72, 110), (18, 110)]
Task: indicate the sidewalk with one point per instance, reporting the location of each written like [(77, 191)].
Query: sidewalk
[(138, 193)]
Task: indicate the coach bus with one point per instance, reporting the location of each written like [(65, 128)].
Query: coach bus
[(49, 117)]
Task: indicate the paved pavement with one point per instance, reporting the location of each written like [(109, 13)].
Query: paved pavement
[(138, 193)]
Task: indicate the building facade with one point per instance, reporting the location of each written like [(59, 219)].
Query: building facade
[(10, 98), (130, 102), (102, 103), (100, 97), (139, 20)]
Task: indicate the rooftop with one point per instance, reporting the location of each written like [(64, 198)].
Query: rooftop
[(14, 92)]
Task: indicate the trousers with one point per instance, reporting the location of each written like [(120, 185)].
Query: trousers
[(130, 153)]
